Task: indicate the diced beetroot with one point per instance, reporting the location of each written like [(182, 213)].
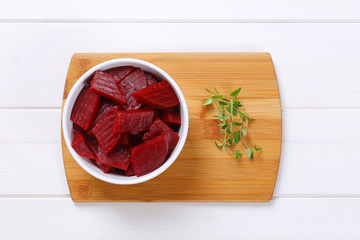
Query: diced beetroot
[(148, 75), (118, 157), (149, 155), (160, 95), (151, 81), (124, 139), (105, 85), (76, 128), (133, 120), (130, 171), (80, 146), (85, 108), (103, 130), (89, 139), (135, 81), (158, 128), (120, 72), (105, 106), (171, 116), (105, 168), (92, 143)]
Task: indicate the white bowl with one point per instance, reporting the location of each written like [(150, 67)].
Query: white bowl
[(87, 164)]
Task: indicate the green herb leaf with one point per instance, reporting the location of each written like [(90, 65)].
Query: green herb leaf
[(238, 123), (238, 154), (217, 92), (235, 93), (241, 116), (228, 131), (230, 141), (234, 111), (257, 149), (237, 136), (244, 131), (250, 153), (208, 101), (217, 142), (225, 126), (217, 96)]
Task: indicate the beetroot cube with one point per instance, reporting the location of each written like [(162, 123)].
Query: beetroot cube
[(80, 146), (159, 127), (149, 155), (120, 72), (105, 168), (105, 106), (148, 75), (135, 81), (133, 120), (85, 108), (118, 157), (103, 130), (130, 171), (151, 81), (76, 128), (171, 116), (160, 95), (124, 139), (105, 85)]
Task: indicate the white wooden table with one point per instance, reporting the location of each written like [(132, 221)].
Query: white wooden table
[(315, 45)]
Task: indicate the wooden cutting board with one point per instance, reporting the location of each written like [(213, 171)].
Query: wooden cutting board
[(202, 172)]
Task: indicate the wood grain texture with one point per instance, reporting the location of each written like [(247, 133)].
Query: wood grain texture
[(202, 172)]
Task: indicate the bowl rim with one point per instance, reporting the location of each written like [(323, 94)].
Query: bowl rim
[(83, 162)]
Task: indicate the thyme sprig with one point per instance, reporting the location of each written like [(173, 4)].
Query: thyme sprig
[(233, 123)]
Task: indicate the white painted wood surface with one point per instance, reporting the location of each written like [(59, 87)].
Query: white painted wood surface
[(315, 46), (159, 10), (289, 218)]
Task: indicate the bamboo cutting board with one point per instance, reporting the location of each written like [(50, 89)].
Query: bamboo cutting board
[(202, 172)]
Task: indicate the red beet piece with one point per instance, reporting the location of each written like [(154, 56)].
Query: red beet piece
[(118, 157), (151, 81), (124, 139), (92, 143), (159, 127), (105, 168), (171, 116), (103, 130), (160, 95), (89, 139), (85, 108), (133, 120), (76, 128), (105, 106), (105, 85), (120, 72), (135, 81), (148, 75), (80, 146), (130, 171), (149, 155)]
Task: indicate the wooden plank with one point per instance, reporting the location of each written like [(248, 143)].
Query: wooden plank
[(195, 175), (316, 64), (231, 10), (313, 161), (299, 219)]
